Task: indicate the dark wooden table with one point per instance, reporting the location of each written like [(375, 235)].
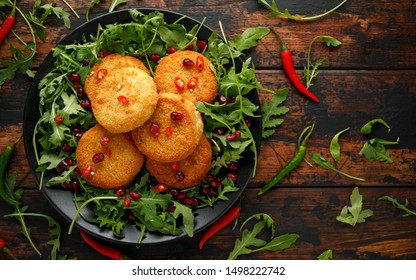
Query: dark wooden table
[(371, 75)]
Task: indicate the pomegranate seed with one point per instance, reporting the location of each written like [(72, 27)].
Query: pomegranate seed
[(78, 132), (104, 141), (188, 63), (131, 217), (175, 166), (135, 196), (221, 130), (98, 157), (73, 77), (155, 57), (85, 62), (81, 92), (154, 129), (59, 169), (223, 99), (237, 134), (230, 137), (77, 172), (160, 188), (74, 186), (120, 191), (181, 196), (232, 176), (88, 171), (191, 201), (66, 163), (219, 182), (176, 116), (248, 122), (109, 153), (128, 136), (66, 147), (232, 99), (168, 131), (171, 208), (233, 167), (201, 44), (209, 178), (171, 50), (190, 47), (86, 104), (212, 192), (127, 201), (66, 185), (179, 176), (173, 192), (58, 120)]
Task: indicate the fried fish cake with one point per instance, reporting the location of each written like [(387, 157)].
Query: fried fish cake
[(188, 74), (124, 99), (108, 160), (173, 131), (187, 172), (107, 65)]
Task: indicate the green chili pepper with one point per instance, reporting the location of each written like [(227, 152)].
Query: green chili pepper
[(293, 163), (6, 193)]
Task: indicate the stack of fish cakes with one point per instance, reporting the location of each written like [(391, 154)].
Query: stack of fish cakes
[(156, 117)]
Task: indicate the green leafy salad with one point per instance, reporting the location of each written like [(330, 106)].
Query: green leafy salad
[(55, 140)]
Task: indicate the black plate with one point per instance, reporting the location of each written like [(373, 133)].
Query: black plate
[(62, 200)]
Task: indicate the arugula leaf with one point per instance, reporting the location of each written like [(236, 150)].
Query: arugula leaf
[(115, 3), (250, 243), (90, 6), (354, 214), (326, 255), (248, 39), (375, 149), (398, 205), (273, 109), (334, 147), (321, 161), (368, 127), (310, 71)]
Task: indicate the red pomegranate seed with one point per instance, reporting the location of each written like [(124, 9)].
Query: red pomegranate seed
[(104, 141), (81, 92), (201, 44), (98, 157), (175, 166), (131, 217), (74, 185), (171, 208), (135, 195), (73, 77), (85, 62), (155, 57), (127, 201), (154, 129), (66, 147), (120, 191), (77, 172), (233, 167), (58, 120), (179, 176), (171, 50), (109, 153), (88, 171), (176, 116), (230, 137), (237, 134), (232, 176), (188, 63), (191, 201), (181, 196), (86, 104), (78, 132), (128, 136), (190, 47)]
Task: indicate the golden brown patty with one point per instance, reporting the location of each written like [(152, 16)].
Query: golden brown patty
[(110, 63), (124, 99), (173, 131), (187, 172), (120, 159), (172, 67)]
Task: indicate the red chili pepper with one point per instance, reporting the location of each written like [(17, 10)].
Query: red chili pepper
[(101, 74), (123, 99), (220, 224), (8, 23), (104, 250), (160, 188), (179, 83), (192, 83), (5, 249), (200, 62), (287, 61)]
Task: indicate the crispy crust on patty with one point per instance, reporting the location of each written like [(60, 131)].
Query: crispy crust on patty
[(108, 99), (171, 67), (194, 167), (175, 139), (122, 160)]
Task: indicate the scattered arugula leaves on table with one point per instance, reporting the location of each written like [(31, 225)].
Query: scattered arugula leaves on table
[(374, 149), (310, 72), (354, 214), (251, 243), (326, 255), (398, 205), (271, 111), (334, 146)]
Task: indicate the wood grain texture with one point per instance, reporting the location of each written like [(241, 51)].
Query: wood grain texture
[(371, 75)]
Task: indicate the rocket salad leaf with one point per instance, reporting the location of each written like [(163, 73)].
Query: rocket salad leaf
[(354, 214)]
